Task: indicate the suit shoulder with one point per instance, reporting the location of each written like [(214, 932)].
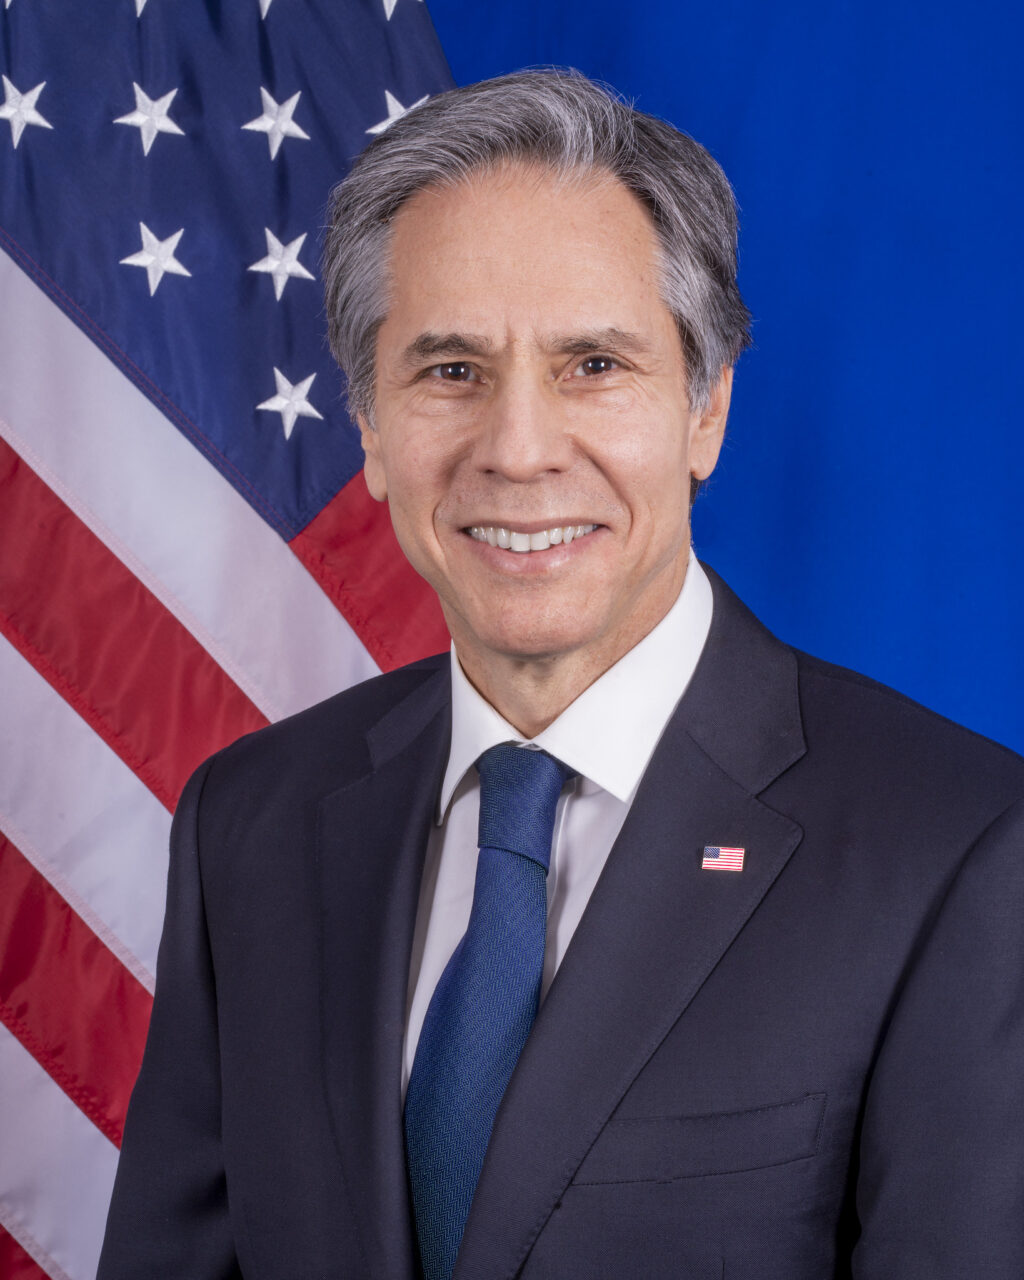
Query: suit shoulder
[(327, 742), (879, 731)]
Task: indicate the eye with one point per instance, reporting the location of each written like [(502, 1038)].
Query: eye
[(456, 371), (592, 366)]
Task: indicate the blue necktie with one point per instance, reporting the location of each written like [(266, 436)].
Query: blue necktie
[(485, 1002)]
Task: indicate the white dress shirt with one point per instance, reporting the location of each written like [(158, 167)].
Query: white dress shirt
[(607, 736)]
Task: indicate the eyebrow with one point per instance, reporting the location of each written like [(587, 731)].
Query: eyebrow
[(431, 346), (608, 339)]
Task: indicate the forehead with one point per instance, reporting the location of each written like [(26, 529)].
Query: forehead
[(526, 239)]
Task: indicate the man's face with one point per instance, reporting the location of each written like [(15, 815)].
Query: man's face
[(531, 380)]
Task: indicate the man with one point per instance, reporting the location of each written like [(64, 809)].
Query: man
[(781, 1029)]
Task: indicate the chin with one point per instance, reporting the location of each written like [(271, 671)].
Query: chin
[(537, 641)]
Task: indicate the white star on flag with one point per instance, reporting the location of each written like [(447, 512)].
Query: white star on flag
[(265, 7), (139, 6), (395, 111), (290, 401), (20, 108), (282, 262), (157, 256), (276, 121), (150, 117), (389, 8)]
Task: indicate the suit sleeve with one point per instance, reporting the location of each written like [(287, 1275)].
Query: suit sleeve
[(940, 1191), (169, 1213)]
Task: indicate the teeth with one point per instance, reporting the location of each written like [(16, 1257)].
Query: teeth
[(513, 540)]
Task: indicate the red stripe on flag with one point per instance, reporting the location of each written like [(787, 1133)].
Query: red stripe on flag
[(15, 1263), (106, 643), (351, 550), (67, 997)]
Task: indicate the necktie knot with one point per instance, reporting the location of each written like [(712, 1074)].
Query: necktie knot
[(519, 790)]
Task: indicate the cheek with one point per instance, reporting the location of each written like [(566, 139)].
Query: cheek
[(416, 486), (650, 467)]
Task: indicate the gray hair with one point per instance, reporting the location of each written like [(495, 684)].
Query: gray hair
[(572, 126)]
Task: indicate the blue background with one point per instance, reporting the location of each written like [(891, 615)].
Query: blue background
[(867, 504)]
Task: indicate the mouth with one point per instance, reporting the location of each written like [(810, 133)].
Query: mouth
[(523, 541)]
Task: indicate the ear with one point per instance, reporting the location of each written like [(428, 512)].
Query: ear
[(707, 428), (373, 467)]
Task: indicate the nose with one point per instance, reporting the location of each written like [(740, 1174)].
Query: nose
[(524, 434)]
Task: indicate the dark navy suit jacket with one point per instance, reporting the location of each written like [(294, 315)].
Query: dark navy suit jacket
[(811, 1068)]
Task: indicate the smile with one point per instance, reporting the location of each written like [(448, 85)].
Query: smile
[(514, 540)]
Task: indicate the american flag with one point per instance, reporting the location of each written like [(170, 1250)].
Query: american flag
[(187, 548), (720, 858)]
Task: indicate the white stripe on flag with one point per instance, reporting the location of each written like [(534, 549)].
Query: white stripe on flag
[(165, 511), (81, 816), (56, 1168), (31, 1246)]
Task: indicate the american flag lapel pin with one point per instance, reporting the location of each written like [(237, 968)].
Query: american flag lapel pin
[(719, 858)]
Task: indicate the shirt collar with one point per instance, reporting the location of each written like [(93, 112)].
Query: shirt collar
[(609, 733)]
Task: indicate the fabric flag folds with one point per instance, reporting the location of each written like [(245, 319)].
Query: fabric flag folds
[(187, 548)]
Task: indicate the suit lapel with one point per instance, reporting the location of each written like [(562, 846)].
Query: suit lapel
[(654, 929), (372, 838)]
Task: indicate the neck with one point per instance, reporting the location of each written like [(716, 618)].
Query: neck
[(530, 692)]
